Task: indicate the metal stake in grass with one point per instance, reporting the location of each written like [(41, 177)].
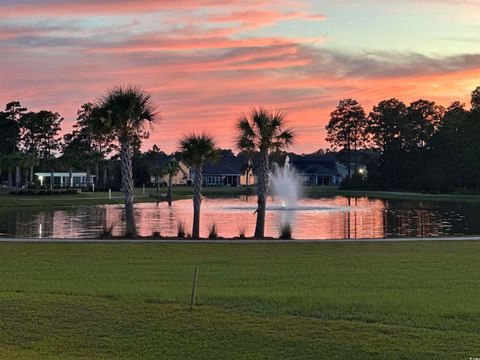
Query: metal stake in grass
[(194, 289)]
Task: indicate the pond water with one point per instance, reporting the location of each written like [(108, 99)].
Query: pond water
[(322, 218)]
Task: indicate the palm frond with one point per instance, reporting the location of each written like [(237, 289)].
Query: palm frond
[(126, 109), (245, 140), (263, 130), (286, 137), (198, 148), (278, 119)]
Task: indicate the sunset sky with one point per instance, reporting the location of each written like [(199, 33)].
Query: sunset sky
[(206, 60)]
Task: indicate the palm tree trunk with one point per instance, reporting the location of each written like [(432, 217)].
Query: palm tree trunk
[(197, 201), (70, 177), (127, 187), (89, 178), (105, 175), (17, 178), (52, 178), (262, 189), (355, 158), (10, 179), (170, 195), (348, 162), (97, 170)]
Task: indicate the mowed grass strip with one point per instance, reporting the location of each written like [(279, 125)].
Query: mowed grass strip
[(186, 192), (318, 301), (8, 201)]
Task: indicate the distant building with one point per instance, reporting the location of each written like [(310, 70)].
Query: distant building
[(319, 170), (62, 179), (183, 175), (228, 171)]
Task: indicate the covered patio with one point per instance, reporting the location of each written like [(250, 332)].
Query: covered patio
[(62, 179)]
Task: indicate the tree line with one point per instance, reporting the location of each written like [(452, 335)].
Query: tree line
[(32, 141), (117, 123), (422, 146), (419, 147)]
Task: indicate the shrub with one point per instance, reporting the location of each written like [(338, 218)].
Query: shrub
[(356, 182), (181, 229), (33, 192), (107, 231), (285, 231), (212, 231), (242, 229)]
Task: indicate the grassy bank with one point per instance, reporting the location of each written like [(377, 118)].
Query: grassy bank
[(297, 301), (101, 198), (391, 195), (182, 192)]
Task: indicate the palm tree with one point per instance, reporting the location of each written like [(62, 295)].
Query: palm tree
[(27, 162), (172, 169), (196, 149), (158, 172), (9, 162), (70, 159), (30, 161), (263, 132), (51, 163), (125, 112), (91, 159), (14, 161)]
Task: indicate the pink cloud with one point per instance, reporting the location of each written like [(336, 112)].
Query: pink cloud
[(202, 68), (50, 8), (252, 19)]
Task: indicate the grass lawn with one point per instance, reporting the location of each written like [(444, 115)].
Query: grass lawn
[(317, 191), (100, 198), (184, 192), (257, 301)]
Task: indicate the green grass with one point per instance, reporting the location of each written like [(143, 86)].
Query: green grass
[(184, 192), (86, 198), (325, 191), (270, 301), (101, 198)]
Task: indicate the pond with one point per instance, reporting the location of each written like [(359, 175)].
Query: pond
[(323, 218)]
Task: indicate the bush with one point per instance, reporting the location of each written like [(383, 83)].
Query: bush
[(355, 182), (212, 231), (249, 190), (285, 231), (181, 229), (32, 192), (107, 231), (241, 231)]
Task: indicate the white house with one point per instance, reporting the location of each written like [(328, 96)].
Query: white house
[(62, 179)]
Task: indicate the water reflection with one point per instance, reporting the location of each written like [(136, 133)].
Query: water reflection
[(323, 218)]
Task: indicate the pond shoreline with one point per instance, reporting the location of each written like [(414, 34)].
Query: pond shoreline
[(235, 241), (183, 193)]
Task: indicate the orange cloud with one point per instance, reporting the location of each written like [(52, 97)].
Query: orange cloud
[(51, 8), (202, 68)]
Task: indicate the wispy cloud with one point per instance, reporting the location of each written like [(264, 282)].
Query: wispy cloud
[(206, 60)]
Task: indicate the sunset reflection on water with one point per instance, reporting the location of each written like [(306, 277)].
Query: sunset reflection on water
[(328, 218)]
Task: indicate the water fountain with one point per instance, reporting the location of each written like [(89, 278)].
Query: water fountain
[(286, 202), (285, 186)]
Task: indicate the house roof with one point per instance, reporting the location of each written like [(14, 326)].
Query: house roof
[(225, 165), (318, 166)]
